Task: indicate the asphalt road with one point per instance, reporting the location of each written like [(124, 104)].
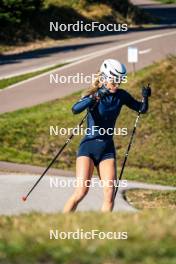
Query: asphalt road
[(51, 200), (85, 56), (15, 64), (166, 13), (152, 44)]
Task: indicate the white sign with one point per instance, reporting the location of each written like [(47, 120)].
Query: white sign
[(132, 55)]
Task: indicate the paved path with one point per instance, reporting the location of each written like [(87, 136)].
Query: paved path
[(31, 169), (144, 2), (51, 200), (166, 13), (15, 64), (39, 90), (86, 54)]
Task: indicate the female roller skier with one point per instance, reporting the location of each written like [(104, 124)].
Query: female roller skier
[(104, 101)]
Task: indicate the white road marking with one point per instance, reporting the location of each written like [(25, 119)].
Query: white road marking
[(94, 55), (68, 60), (144, 51)]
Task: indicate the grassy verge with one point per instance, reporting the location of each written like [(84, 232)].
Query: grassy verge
[(145, 199), (167, 1), (16, 79), (22, 243), (25, 138), (149, 176)]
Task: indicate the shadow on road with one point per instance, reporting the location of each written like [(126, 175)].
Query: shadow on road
[(164, 15), (44, 52)]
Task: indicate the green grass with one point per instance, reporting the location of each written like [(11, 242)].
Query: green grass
[(148, 175), (16, 79), (151, 238), (24, 134), (145, 199), (167, 1), (24, 138)]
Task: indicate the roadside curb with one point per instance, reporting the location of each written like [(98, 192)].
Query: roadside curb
[(31, 169)]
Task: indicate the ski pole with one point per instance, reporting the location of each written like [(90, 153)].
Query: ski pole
[(24, 198), (128, 148), (127, 152)]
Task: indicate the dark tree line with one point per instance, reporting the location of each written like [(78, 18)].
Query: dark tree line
[(27, 20), (15, 16)]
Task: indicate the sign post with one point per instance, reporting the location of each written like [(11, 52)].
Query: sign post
[(133, 57)]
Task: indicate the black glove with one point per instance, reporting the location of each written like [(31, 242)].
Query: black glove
[(102, 92), (146, 91)]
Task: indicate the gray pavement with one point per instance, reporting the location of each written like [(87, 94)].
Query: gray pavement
[(51, 200), (144, 2), (30, 169), (165, 13), (39, 90), (85, 55), (69, 50)]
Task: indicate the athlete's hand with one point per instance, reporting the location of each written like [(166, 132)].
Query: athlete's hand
[(96, 97), (146, 91), (102, 92)]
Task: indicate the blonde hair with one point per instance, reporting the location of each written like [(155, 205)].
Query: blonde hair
[(94, 87)]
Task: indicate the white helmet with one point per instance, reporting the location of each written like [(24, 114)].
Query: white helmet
[(112, 68)]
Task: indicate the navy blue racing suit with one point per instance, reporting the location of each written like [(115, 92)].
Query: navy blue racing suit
[(98, 143)]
